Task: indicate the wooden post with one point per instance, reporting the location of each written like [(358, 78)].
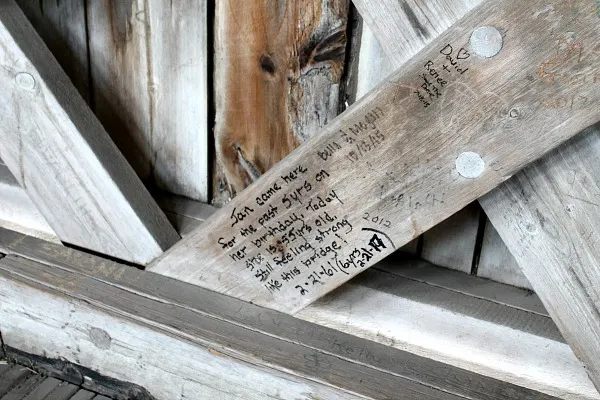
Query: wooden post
[(60, 154), (277, 82), (374, 179), (149, 80)]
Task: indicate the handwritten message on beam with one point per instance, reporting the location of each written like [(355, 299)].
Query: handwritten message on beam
[(441, 132)]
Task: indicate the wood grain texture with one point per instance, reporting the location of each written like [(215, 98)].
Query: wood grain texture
[(451, 243), (293, 344), (404, 28), (17, 211), (62, 26), (373, 68), (548, 216), (569, 304), (149, 76), (106, 341), (278, 69), (399, 173), (497, 263), (65, 161)]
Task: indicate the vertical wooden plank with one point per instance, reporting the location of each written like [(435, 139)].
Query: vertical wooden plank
[(496, 261), (278, 68), (61, 25), (65, 161), (452, 243), (149, 79)]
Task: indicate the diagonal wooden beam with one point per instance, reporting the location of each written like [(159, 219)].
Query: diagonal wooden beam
[(548, 214), (385, 171), (63, 158)]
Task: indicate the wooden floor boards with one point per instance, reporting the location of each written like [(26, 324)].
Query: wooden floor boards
[(21, 383)]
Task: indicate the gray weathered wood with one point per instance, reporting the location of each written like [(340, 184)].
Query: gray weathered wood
[(451, 243), (548, 216), (83, 395), (13, 378), (458, 282), (537, 193), (22, 390), (17, 212), (373, 68), (64, 391), (62, 26), (357, 307), (496, 262), (149, 68), (62, 157), (403, 181), (43, 389)]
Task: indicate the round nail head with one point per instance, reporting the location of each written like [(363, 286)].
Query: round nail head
[(25, 81), (486, 41), (470, 165)]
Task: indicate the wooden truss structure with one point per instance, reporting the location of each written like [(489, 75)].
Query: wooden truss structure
[(494, 101)]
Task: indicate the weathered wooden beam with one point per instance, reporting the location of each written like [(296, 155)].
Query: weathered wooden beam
[(539, 212), (17, 212), (60, 154), (549, 216), (110, 304), (375, 178), (149, 63)]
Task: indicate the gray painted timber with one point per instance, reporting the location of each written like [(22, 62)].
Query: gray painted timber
[(83, 395), (357, 365)]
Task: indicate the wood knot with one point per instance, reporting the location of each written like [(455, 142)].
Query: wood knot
[(267, 64)]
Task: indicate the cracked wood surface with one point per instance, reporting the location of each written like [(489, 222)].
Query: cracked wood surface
[(60, 154), (374, 179), (278, 68)]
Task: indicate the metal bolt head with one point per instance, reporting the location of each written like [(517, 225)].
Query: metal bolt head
[(486, 41), (25, 81), (470, 165)]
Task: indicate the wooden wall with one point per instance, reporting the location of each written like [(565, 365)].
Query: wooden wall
[(203, 100)]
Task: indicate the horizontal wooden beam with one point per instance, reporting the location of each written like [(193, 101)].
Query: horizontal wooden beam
[(60, 154), (161, 319), (553, 202), (374, 178)]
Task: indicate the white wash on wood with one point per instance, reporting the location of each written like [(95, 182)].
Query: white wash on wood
[(496, 262), (149, 75), (381, 179), (168, 366), (548, 216), (65, 161), (18, 213), (443, 335)]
